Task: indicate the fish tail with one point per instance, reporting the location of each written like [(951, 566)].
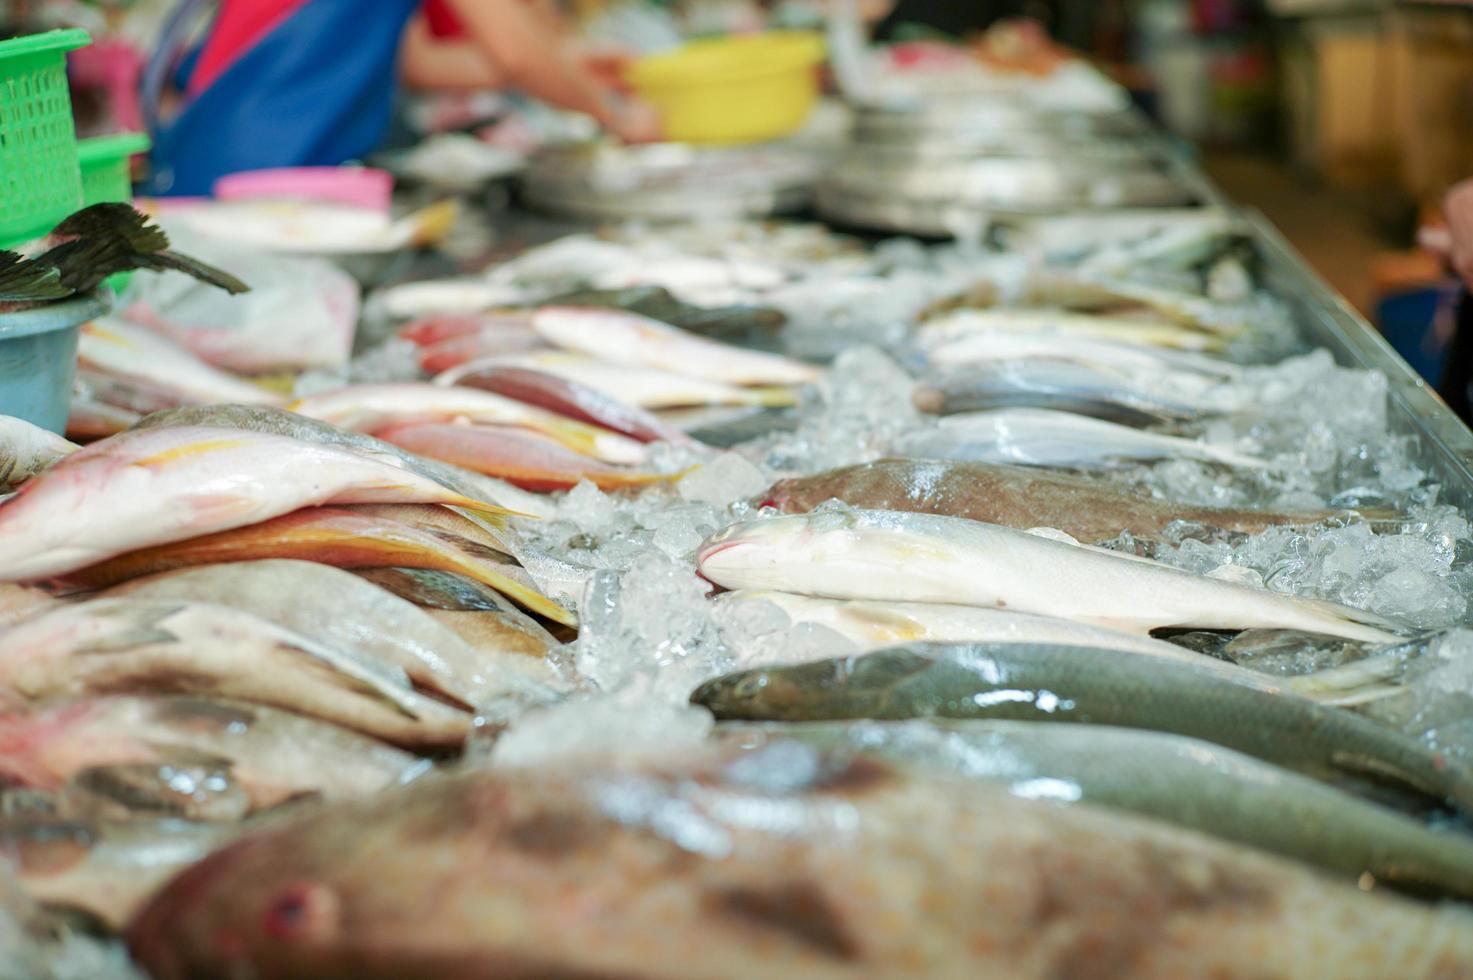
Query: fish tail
[(529, 598), (433, 223), (1378, 676), (493, 514)]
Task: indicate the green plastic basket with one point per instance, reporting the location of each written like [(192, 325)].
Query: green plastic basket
[(104, 163), (39, 181)]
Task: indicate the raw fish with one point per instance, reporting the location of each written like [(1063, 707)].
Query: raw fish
[(154, 486), (872, 625), (1185, 781), (143, 646), (341, 610), (1055, 385), (856, 554), (88, 420), (377, 407), (1044, 437), (1089, 686), (26, 450), (524, 459), (1016, 496), (135, 353), (633, 385), (572, 399), (102, 869), (333, 537), (1129, 359), (278, 421), (631, 339), (190, 758), (1131, 330), (781, 862)]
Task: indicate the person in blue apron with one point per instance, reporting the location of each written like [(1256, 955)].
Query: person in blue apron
[(285, 83)]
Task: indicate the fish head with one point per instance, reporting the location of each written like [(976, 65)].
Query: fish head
[(764, 553), (794, 692), (252, 906)]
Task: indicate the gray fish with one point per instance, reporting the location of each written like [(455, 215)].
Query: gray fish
[(1183, 781), (1027, 682), (1056, 385), (26, 450), (434, 589), (279, 421), (779, 862)]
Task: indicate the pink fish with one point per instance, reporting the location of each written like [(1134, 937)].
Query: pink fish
[(576, 401), (455, 351), (154, 486), (525, 459), (369, 408)]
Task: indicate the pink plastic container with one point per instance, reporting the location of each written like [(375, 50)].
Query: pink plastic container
[(363, 187)]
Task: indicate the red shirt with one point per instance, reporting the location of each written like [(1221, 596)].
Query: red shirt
[(240, 24), (442, 20)]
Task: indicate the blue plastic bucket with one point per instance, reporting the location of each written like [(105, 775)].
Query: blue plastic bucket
[(38, 359)]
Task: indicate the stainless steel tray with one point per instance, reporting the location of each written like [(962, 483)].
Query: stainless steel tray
[(572, 201), (993, 115), (1328, 321)]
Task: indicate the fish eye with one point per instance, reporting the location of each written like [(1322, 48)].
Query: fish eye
[(303, 912), (750, 687)]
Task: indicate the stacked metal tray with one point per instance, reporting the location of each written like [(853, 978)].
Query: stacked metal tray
[(603, 181), (944, 168)]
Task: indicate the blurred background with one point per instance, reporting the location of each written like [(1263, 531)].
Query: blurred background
[(1345, 122)]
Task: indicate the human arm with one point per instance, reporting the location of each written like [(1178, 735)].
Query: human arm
[(532, 56), (431, 63)]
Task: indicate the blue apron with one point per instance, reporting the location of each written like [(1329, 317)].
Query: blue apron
[(316, 90)]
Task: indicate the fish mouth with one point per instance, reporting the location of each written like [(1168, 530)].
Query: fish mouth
[(712, 548)]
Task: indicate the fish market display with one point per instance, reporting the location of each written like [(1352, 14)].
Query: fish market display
[(840, 555), (1088, 685), (1089, 510), (765, 864), (1078, 598), (26, 450), (171, 484)]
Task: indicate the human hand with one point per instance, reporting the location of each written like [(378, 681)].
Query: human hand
[(1455, 242), (633, 121)]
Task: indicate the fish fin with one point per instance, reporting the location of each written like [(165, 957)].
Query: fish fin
[(1350, 699), (352, 675), (493, 514), (491, 527), (526, 596), (195, 269), (139, 627), (772, 397), (473, 548), (167, 456)]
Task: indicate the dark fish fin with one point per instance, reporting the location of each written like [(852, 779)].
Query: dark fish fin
[(196, 269), (28, 280), (115, 220)]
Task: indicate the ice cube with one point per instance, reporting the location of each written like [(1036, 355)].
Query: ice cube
[(722, 481)]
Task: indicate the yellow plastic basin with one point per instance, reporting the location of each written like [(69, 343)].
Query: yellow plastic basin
[(733, 89)]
